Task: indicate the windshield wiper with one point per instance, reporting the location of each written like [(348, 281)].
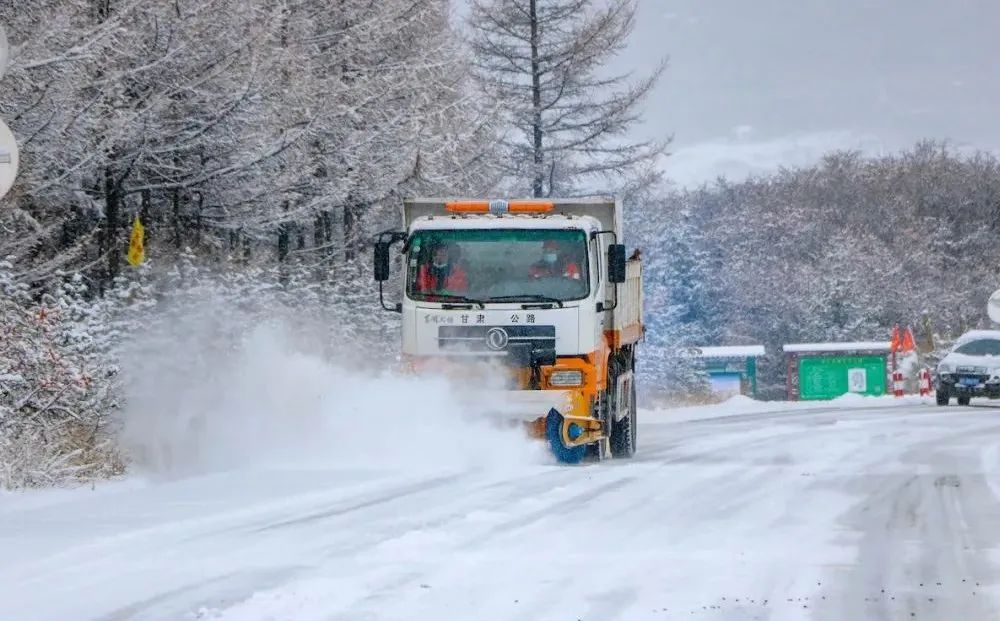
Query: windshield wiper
[(525, 297), (437, 297)]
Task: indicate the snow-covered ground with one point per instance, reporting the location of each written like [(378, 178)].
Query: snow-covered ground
[(859, 509)]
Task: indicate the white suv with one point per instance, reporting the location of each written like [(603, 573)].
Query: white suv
[(971, 368)]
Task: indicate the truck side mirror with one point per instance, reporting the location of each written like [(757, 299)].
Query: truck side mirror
[(616, 263), (381, 261)]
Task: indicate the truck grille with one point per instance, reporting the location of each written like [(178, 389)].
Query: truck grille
[(495, 338)]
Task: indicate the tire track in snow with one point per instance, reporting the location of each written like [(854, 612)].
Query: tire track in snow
[(616, 541), (494, 533), (489, 533), (599, 502), (342, 518), (739, 499), (83, 557), (351, 505), (634, 519), (918, 554)]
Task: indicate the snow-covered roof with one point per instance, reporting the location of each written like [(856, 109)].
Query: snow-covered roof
[(730, 351), (857, 346)]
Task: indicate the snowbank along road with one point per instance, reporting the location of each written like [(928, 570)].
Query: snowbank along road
[(830, 513)]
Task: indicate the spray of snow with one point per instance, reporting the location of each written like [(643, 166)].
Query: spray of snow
[(216, 391)]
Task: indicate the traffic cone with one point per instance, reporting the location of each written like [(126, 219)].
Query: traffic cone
[(896, 340), (908, 343)]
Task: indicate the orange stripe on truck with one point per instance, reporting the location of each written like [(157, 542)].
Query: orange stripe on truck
[(626, 336)]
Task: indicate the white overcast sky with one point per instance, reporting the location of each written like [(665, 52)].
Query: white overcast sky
[(755, 84)]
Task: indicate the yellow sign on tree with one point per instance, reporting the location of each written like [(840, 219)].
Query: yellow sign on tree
[(136, 248)]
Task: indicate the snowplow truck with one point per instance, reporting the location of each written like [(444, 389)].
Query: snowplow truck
[(538, 295)]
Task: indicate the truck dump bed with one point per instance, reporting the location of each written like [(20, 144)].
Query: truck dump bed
[(627, 318)]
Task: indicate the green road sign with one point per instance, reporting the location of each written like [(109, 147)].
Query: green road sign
[(828, 377)]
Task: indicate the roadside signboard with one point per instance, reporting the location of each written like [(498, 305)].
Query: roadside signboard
[(8, 159), (828, 377), (817, 371)]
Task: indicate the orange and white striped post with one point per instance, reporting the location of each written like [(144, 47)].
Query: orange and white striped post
[(897, 383), (925, 382)]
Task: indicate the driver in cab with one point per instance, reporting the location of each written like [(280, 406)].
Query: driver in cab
[(442, 274), (554, 264)]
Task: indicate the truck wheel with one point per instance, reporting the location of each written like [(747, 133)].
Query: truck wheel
[(623, 432), (941, 396), (964, 400)]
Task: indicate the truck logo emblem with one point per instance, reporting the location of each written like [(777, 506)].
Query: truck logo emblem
[(497, 339)]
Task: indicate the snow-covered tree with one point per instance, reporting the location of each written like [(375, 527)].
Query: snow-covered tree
[(229, 125), (55, 402), (842, 250), (544, 62)]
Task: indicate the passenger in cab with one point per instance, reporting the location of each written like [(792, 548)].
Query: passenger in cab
[(554, 264), (442, 274)]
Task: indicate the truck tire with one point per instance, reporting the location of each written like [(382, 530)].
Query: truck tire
[(623, 432), (941, 396), (964, 400)]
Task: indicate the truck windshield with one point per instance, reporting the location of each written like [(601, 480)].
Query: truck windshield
[(508, 265)]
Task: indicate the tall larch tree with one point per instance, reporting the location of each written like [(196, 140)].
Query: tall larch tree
[(569, 119)]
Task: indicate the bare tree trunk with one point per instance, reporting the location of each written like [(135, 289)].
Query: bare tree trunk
[(328, 233), (284, 243), (102, 10), (198, 219), (352, 216), (536, 99), (319, 240), (145, 204), (284, 236), (112, 214), (176, 216)]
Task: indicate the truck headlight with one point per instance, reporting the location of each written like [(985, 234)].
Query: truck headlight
[(943, 368), (566, 378)]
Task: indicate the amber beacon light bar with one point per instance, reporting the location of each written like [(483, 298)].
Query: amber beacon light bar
[(499, 207)]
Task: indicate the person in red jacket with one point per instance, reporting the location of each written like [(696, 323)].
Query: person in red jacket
[(554, 264), (442, 274)]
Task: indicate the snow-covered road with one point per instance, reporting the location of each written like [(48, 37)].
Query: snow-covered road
[(825, 513)]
